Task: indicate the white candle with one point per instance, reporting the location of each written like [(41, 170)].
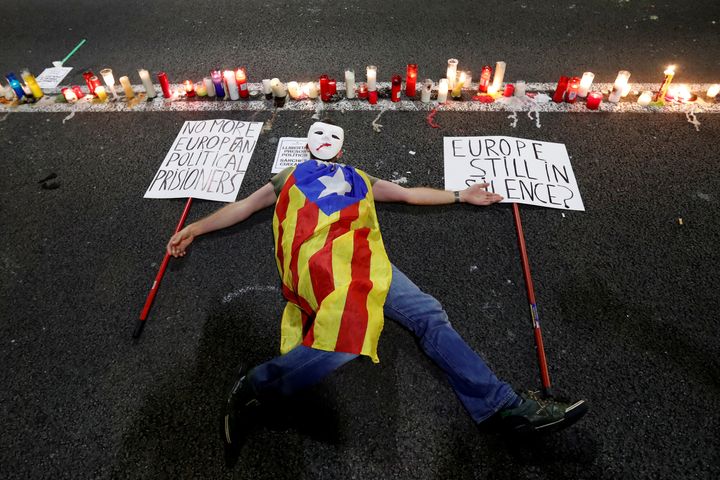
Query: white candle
[(267, 87), (274, 83), (69, 95), (350, 83), (313, 90), (451, 72), (585, 84), (371, 77), (713, 90), (107, 75), (7, 92), (684, 93), (498, 78), (468, 79), (520, 88), (232, 85), (209, 86), (293, 90), (426, 91), (278, 88), (443, 90), (645, 99), (620, 83), (147, 83)]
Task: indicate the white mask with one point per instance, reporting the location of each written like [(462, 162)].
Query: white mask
[(324, 140)]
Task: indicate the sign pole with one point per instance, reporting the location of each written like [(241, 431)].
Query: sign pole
[(158, 278), (542, 361)]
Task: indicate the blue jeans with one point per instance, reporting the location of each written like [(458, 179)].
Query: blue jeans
[(474, 383)]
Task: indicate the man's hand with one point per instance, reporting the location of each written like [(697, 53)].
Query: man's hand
[(477, 194), (180, 241)]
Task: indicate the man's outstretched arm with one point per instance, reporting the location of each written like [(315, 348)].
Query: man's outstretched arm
[(230, 214), (477, 194)]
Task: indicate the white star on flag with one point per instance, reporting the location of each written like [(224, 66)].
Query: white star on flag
[(335, 184)]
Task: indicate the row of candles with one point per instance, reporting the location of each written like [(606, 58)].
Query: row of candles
[(233, 84)]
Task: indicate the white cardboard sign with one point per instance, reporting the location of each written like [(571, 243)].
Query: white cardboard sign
[(207, 160), (51, 77), (521, 170), (290, 152)]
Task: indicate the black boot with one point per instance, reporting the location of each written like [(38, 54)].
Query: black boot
[(240, 412)]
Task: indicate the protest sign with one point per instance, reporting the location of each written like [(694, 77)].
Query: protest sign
[(521, 170), (207, 160), (290, 152), (51, 77)]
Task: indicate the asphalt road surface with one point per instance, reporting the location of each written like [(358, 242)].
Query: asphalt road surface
[(626, 290)]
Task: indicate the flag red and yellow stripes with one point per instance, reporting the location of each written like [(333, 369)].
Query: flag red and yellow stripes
[(334, 269)]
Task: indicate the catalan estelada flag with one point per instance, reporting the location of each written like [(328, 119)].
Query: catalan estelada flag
[(331, 258)]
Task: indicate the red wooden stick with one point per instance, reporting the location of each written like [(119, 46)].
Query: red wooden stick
[(542, 361), (158, 278)]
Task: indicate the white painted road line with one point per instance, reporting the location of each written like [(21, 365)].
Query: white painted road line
[(257, 102)]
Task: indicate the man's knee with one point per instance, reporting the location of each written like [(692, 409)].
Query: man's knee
[(433, 318)]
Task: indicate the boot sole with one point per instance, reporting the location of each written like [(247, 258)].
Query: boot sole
[(572, 414)]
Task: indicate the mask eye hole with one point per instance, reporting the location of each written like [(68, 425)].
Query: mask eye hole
[(336, 137), (319, 132)]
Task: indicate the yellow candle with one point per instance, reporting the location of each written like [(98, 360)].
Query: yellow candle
[(457, 89), (125, 82), (669, 74), (32, 84), (100, 93)]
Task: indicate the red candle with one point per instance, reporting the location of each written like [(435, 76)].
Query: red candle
[(164, 84), (411, 79), (573, 87), (325, 88), (189, 89), (396, 87), (332, 86), (594, 99), (560, 90), (509, 90), (362, 92), (78, 91), (372, 97), (241, 79), (485, 78), (88, 76), (95, 81)]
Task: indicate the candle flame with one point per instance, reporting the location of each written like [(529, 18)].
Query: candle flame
[(670, 70), (713, 90)]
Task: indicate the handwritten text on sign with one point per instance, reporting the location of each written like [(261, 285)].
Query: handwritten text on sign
[(521, 170), (208, 160)]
